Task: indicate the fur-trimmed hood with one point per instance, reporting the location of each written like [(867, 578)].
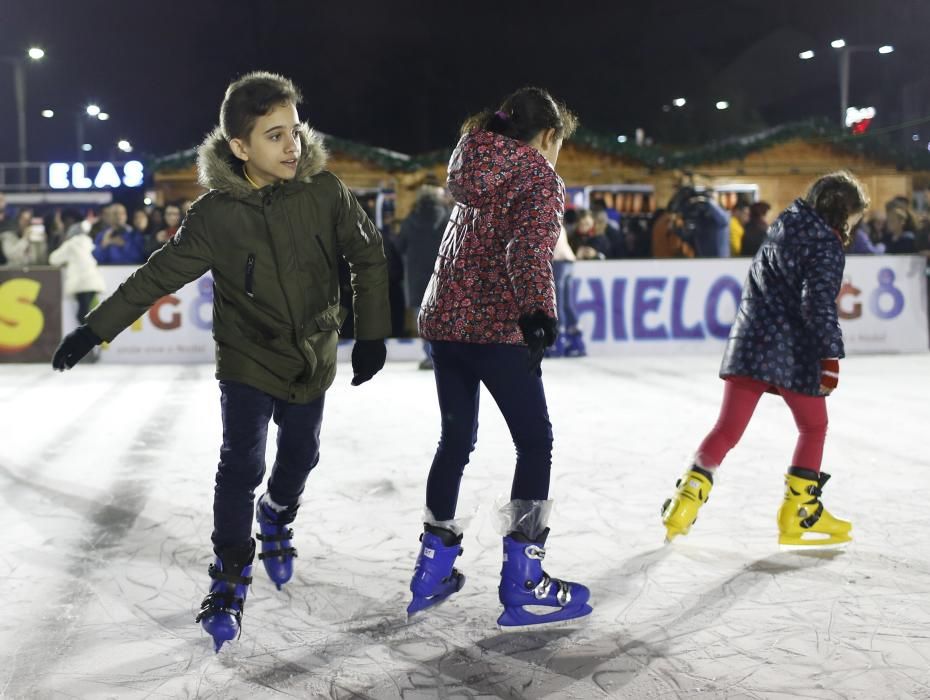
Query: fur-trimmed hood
[(219, 169)]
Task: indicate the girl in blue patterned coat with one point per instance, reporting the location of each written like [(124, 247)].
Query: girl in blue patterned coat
[(786, 340)]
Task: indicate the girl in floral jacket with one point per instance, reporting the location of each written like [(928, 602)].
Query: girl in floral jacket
[(489, 314), (786, 340)]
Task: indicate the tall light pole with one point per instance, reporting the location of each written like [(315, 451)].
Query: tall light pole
[(846, 52), (19, 88), (94, 112)]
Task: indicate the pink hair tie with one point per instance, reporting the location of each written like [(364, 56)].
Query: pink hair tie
[(502, 114)]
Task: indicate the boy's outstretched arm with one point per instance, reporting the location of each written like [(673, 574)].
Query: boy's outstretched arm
[(182, 259)]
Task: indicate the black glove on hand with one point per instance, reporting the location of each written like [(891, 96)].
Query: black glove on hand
[(367, 360), (73, 347), (539, 332)]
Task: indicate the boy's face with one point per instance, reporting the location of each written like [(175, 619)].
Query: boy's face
[(273, 148)]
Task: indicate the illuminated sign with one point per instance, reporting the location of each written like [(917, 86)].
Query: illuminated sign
[(81, 176), (858, 120)]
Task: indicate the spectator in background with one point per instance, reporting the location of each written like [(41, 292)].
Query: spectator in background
[(739, 217), (755, 229), (876, 226), (418, 243), (81, 223), (861, 243), (82, 278), (172, 221), (569, 342), (899, 236), (616, 246), (667, 241), (118, 243), (104, 221), (599, 206), (395, 267), (585, 242), (60, 225), (706, 225), (140, 222), (569, 221), (25, 244), (156, 219)]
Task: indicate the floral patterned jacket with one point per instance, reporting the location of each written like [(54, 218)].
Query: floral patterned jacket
[(495, 260), (787, 320)]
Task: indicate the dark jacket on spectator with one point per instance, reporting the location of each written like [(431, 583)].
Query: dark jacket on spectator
[(418, 243)]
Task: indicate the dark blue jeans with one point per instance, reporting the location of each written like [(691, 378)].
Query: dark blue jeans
[(460, 369), (246, 413)]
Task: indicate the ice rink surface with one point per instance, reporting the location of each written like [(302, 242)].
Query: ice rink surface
[(106, 478)]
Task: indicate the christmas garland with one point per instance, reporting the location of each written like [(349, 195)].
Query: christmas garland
[(877, 145)]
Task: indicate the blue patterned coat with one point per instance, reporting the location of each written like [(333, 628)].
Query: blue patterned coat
[(787, 320)]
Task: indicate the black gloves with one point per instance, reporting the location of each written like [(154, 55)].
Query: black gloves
[(367, 360), (73, 347), (539, 332)]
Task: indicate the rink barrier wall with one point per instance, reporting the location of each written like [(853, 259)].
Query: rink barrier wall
[(630, 307)]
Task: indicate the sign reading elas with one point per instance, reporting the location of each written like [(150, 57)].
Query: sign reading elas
[(95, 176)]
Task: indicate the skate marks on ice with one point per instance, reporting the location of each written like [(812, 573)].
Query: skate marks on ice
[(97, 526), (721, 614)]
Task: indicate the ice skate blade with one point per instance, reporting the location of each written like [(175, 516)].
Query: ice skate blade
[(418, 605), (219, 641), (797, 542), (548, 621)]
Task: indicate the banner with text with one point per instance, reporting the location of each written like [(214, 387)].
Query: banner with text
[(624, 307), (669, 306)]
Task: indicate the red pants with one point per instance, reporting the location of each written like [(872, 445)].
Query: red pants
[(740, 396)]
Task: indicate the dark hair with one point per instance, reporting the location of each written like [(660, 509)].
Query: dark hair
[(836, 197), (524, 114), (252, 96), (742, 204), (71, 214)]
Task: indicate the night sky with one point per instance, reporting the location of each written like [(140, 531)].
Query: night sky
[(404, 75)]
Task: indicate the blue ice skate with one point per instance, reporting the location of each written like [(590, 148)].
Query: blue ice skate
[(573, 343), (557, 349), (277, 553), (221, 611), (524, 584), (434, 577)]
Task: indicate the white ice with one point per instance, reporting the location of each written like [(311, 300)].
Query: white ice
[(106, 476)]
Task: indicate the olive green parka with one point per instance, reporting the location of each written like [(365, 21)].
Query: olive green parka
[(273, 256)]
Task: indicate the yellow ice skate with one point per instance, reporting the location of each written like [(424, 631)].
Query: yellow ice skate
[(680, 511), (802, 519)]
